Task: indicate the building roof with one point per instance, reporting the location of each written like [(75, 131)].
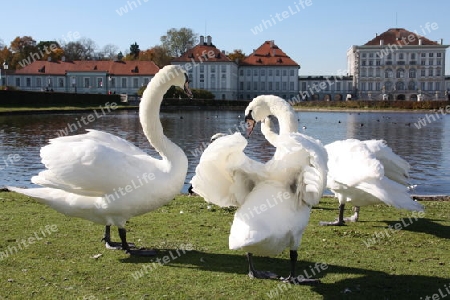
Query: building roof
[(268, 54), (123, 68), (399, 36), (203, 52)]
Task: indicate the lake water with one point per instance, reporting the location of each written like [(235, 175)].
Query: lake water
[(426, 149)]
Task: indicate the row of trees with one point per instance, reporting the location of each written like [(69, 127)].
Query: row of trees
[(23, 50)]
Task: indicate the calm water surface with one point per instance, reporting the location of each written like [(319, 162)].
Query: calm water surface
[(426, 149)]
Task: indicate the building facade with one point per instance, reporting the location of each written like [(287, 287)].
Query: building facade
[(398, 65), (92, 77), (268, 70), (210, 69)]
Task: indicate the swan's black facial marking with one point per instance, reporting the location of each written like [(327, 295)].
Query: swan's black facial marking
[(250, 123), (186, 87)]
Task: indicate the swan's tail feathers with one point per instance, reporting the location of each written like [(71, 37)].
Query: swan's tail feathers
[(391, 193)]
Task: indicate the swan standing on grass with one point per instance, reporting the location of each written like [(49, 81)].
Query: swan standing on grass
[(362, 173), (102, 178), (274, 199), (366, 173)]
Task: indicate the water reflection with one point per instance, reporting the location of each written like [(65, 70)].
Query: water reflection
[(424, 148)]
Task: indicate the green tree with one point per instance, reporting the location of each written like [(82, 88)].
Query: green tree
[(178, 41), (134, 51), (237, 54)]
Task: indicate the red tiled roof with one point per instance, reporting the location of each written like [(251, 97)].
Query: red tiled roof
[(113, 67), (268, 54), (203, 53), (399, 36)]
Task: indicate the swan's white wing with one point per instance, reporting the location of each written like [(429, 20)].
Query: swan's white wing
[(225, 175), (301, 161), (356, 173), (93, 164), (395, 167)]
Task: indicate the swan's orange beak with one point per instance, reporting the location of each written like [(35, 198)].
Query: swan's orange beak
[(250, 124), (186, 88)]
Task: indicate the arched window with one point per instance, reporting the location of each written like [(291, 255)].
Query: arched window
[(388, 73), (412, 85), (412, 73), (400, 73), (388, 85), (400, 86)]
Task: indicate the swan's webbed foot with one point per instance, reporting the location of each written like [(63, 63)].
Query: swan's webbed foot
[(113, 245), (252, 273), (133, 252), (300, 281), (262, 274), (337, 222)]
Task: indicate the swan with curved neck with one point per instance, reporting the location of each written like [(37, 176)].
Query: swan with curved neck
[(102, 178), (284, 191)]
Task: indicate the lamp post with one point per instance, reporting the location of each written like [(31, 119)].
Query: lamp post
[(5, 67)]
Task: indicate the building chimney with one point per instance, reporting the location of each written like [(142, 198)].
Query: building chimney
[(202, 40), (442, 41), (420, 41), (381, 42), (208, 40)]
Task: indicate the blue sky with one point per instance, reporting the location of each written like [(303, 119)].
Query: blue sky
[(315, 33)]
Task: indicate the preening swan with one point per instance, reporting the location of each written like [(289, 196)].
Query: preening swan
[(362, 173), (274, 199), (366, 173), (107, 180)]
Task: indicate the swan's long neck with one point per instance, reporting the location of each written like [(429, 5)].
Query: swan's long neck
[(287, 119), (149, 116)]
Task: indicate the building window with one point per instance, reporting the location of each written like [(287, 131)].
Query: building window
[(363, 63), (255, 72), (249, 72), (277, 86), (413, 56), (430, 61), (401, 56), (370, 86), (377, 72), (430, 72), (303, 86), (349, 86), (371, 54), (422, 62), (270, 72), (213, 69), (113, 82), (255, 86), (438, 54), (377, 86), (202, 68), (124, 82), (202, 78), (370, 72), (363, 55), (400, 86), (146, 81), (389, 56), (378, 62), (248, 86), (28, 82), (423, 55), (284, 84), (437, 86), (438, 61), (338, 86), (422, 86), (241, 85), (18, 81), (270, 86), (422, 72), (430, 54), (291, 73), (400, 73), (223, 69), (49, 82), (135, 82), (363, 72), (388, 73), (291, 86), (241, 72), (87, 82), (263, 86), (284, 72), (277, 72), (99, 82), (38, 82), (412, 73), (438, 72), (412, 85), (430, 86), (263, 72), (61, 82)]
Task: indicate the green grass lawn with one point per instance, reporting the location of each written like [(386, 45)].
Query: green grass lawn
[(47, 255)]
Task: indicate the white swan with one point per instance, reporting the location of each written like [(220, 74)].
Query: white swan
[(107, 180), (274, 199), (362, 173), (366, 173)]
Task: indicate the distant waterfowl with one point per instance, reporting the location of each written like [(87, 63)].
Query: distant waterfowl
[(102, 178), (282, 192)]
